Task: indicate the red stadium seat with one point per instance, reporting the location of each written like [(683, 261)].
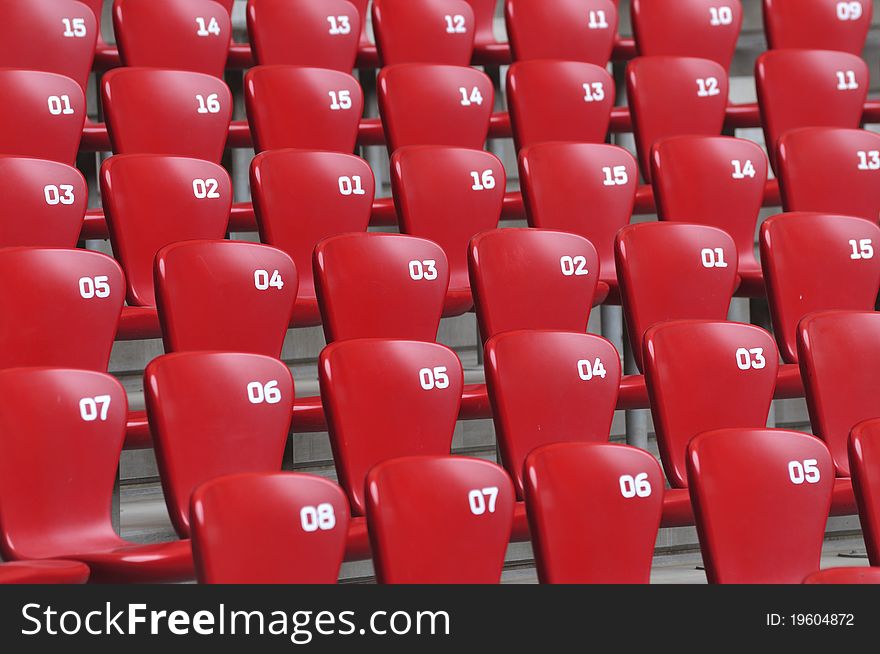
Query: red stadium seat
[(532, 279), (818, 24), (831, 170), (809, 88), (813, 262), (439, 520), (855, 575), (428, 31), (303, 33), (425, 104), (43, 115), (213, 414), (672, 96), (375, 285), (761, 499), (224, 295), (528, 372), (55, 37), (302, 197), (447, 195), (58, 308), (703, 375), (559, 101), (386, 399), (484, 22), (167, 112), (44, 203), (44, 572), (585, 189), (716, 181), (594, 511), (692, 28), (61, 435), (673, 271), (280, 528), (181, 35), (864, 460), (570, 30), (308, 108), (154, 200)]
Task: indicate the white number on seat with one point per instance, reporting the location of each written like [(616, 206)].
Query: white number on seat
[(351, 185), (268, 393), (340, 100), (431, 378), (90, 287), (595, 92), (209, 105), (483, 181), (426, 270), (869, 160), (313, 518), (720, 16), (637, 486), (849, 10), (482, 500), (846, 80), (339, 25), (263, 281), (863, 249), (597, 20), (587, 370), (713, 258), (74, 27), (455, 24), (615, 176), (475, 97), (753, 358), (207, 27), (60, 105), (206, 188), (742, 170), (707, 87), (61, 194), (89, 410), (804, 471), (574, 266)]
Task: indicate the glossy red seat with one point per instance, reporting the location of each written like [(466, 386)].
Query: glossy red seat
[(559, 101), (304, 33), (674, 96), (428, 31), (586, 189), (702, 376), (818, 24), (224, 295), (528, 371), (281, 528), (428, 104), (58, 307), (832, 170), (570, 30), (301, 197), (692, 28), (864, 460), (673, 271), (717, 181), (854, 575), (532, 279), (43, 114), (594, 511), (761, 499), (44, 203), (439, 520), (58, 464), (213, 414), (809, 88), (814, 262), (385, 399), (447, 195), (44, 572), (376, 285), (484, 23), (152, 201)]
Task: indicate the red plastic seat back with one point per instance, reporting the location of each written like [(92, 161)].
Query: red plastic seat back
[(151, 201), (224, 295), (704, 375), (689, 28), (213, 414), (439, 520), (673, 96), (428, 31), (44, 203), (559, 101), (813, 262), (304, 33), (594, 511), (385, 399), (673, 271), (809, 88), (832, 170), (761, 499), (426, 104), (528, 371), (532, 279), (864, 461), (583, 188), (308, 108), (818, 24), (570, 30), (846, 576), (375, 285), (484, 21), (44, 114), (281, 528), (61, 434), (839, 393), (58, 307), (56, 37)]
